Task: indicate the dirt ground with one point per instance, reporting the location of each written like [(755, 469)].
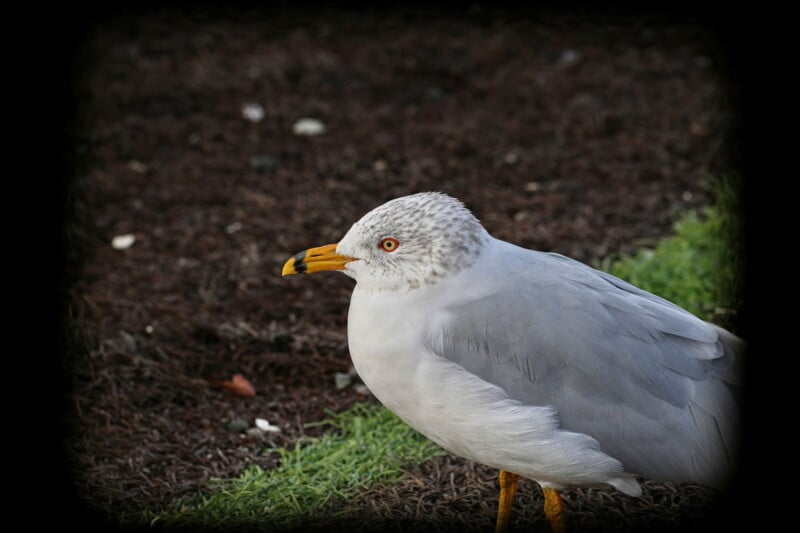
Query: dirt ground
[(586, 135)]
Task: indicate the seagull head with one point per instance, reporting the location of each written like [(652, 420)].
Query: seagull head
[(407, 242)]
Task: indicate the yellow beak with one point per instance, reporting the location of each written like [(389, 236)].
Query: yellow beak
[(316, 260)]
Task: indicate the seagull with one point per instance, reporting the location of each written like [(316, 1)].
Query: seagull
[(530, 362)]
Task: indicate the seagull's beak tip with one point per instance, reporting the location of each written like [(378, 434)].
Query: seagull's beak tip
[(289, 268)]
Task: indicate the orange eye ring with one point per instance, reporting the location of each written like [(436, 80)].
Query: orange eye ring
[(389, 244)]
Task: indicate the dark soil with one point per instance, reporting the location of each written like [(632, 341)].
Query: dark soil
[(585, 135)]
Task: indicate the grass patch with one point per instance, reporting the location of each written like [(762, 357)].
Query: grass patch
[(698, 268), (369, 445)]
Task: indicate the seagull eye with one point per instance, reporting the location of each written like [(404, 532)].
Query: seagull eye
[(389, 244)]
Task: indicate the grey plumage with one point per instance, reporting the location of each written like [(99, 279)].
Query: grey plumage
[(655, 385)]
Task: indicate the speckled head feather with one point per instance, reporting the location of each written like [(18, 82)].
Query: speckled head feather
[(438, 237)]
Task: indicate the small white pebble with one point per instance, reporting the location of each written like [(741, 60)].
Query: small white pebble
[(532, 186), (308, 126), (264, 425), (233, 228), (123, 242), (687, 196), (253, 112), (148, 328), (379, 165), (343, 380), (511, 158)]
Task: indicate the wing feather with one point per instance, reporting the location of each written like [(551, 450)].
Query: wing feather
[(651, 382)]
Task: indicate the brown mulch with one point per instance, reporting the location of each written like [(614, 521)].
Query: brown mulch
[(586, 135)]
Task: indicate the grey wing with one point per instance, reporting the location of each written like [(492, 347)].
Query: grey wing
[(651, 382)]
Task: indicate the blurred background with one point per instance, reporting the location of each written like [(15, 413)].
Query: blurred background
[(209, 146)]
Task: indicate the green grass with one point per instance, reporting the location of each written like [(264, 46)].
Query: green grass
[(371, 446), (698, 268)]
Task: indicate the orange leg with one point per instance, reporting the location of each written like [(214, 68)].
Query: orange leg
[(554, 510), (508, 487)]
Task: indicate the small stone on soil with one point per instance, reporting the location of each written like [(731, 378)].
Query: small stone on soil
[(237, 425), (123, 242), (308, 126)]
